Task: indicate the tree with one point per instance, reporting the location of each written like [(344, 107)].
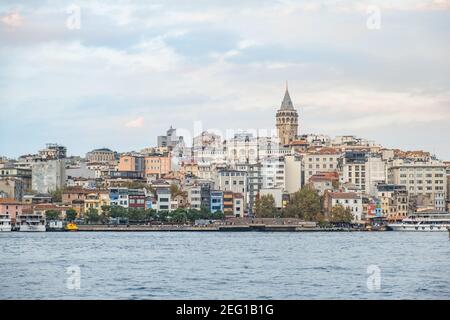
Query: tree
[(339, 214), (217, 215), (179, 216), (304, 204), (163, 216), (174, 190), (71, 214), (205, 213), (52, 215), (92, 215), (104, 216), (118, 212), (151, 214), (265, 206), (136, 214), (193, 214), (57, 194)]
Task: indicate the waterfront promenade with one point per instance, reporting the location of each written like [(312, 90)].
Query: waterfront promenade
[(211, 228)]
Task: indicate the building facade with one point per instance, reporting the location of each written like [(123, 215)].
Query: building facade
[(102, 155), (48, 176), (426, 179)]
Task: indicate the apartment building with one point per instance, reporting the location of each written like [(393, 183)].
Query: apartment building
[(349, 200), (426, 179), (394, 201), (363, 169), (320, 160), (157, 165)]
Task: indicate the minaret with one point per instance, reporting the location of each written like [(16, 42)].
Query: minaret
[(287, 120)]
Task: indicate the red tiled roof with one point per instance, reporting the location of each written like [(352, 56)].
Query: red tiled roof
[(323, 150), (343, 195), (324, 176)]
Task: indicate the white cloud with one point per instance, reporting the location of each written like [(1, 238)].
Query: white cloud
[(164, 63), (13, 19), (135, 123)]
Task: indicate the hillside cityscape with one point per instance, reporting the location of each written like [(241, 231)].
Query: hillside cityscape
[(288, 175)]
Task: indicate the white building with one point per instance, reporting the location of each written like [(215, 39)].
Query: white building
[(273, 172), (349, 200), (276, 193), (164, 199), (231, 180), (194, 197), (364, 170), (48, 176), (292, 173)]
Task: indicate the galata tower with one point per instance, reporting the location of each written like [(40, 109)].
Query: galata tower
[(287, 120)]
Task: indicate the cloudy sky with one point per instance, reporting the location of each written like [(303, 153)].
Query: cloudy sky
[(127, 70)]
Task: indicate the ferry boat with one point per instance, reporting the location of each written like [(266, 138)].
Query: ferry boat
[(55, 225), (5, 222), (424, 221), (31, 221), (71, 227)]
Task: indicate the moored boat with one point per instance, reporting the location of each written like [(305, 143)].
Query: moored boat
[(5, 222), (31, 221), (71, 227), (424, 221)]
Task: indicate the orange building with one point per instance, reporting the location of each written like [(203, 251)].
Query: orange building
[(157, 165), (132, 163)]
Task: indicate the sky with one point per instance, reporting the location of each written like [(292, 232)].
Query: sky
[(90, 74)]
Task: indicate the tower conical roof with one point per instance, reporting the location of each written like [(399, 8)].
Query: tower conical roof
[(287, 102)]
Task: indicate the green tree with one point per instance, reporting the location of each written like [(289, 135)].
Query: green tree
[(92, 215), (163, 216), (52, 215), (178, 216), (57, 194), (193, 214), (118, 212), (339, 214), (151, 215), (71, 214), (104, 216), (136, 214), (304, 204), (218, 215), (265, 206)]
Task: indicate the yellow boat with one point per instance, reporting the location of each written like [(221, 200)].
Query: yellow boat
[(71, 227)]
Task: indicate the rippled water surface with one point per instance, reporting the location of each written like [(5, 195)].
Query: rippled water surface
[(219, 265)]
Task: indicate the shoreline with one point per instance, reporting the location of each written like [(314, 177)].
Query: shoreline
[(225, 228)]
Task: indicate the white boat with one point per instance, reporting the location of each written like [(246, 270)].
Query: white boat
[(5, 223), (31, 221), (424, 221)]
